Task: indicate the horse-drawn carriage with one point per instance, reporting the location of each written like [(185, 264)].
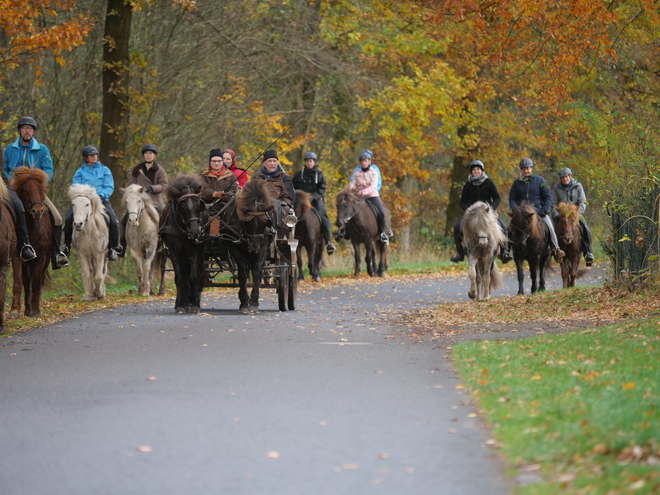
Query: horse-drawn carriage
[(248, 237)]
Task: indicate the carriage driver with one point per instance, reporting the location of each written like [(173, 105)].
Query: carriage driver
[(26, 151), (534, 188), (219, 182), (273, 173), (479, 187), (365, 184), (568, 190), (95, 174), (152, 177), (311, 180)]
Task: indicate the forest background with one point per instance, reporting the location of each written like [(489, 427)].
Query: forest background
[(428, 85)]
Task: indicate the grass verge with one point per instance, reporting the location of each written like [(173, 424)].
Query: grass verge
[(582, 408)]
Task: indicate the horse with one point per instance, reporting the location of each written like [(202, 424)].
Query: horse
[(183, 235), (567, 227), (530, 240), (142, 236), (482, 238), (90, 238), (357, 218), (8, 252), (31, 186), (254, 214), (309, 234)]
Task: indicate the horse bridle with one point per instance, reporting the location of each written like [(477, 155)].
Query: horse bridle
[(89, 206), (139, 212), (186, 224)]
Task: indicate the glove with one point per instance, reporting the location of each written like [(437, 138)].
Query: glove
[(543, 214), (149, 189)]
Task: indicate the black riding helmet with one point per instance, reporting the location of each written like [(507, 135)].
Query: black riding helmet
[(89, 150), (476, 163), (310, 155), (27, 121), (149, 147), (526, 162)]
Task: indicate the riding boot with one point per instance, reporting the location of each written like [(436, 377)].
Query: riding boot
[(325, 230), (59, 259), (458, 240), (122, 237), (558, 254), (505, 253), (586, 243), (25, 250)]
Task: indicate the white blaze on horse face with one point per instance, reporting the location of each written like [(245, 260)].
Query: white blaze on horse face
[(82, 209)]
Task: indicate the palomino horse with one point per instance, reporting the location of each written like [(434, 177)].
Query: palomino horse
[(181, 230), (255, 214), (31, 186), (530, 240), (567, 227), (309, 235), (7, 248), (90, 238), (142, 236), (356, 217), (482, 237)]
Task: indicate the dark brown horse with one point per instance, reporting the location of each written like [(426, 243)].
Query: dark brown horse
[(309, 235), (31, 186), (567, 227), (530, 241), (7, 248), (181, 231), (357, 218)]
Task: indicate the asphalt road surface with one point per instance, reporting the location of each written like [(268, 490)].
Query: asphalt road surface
[(329, 399)]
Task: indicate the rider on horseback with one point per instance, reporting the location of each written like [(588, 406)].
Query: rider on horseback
[(95, 174), (273, 173), (364, 183), (568, 190), (534, 188), (26, 151), (478, 188), (153, 179), (311, 180)]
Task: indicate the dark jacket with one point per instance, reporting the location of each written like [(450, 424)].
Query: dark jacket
[(572, 193), (311, 181), (486, 192), (280, 182), (155, 177), (225, 182), (533, 189)]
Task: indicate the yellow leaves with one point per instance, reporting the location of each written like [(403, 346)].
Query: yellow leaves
[(537, 376), (628, 386)]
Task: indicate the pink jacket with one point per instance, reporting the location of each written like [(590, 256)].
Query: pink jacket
[(365, 183)]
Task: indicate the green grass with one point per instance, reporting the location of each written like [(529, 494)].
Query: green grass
[(584, 405)]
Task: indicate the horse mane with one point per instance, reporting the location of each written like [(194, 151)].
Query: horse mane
[(480, 217), (254, 192), (347, 195), (24, 174), (570, 212), (302, 204), (4, 192), (525, 213), (181, 184), (149, 208), (99, 213)]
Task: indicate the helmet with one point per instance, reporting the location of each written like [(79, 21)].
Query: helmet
[(27, 121), (89, 150), (365, 154), (564, 172), (149, 147), (526, 162), (477, 163), (310, 155), (368, 152)]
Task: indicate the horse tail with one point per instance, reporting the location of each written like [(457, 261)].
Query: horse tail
[(496, 279)]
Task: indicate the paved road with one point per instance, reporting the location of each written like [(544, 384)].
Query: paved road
[(328, 399)]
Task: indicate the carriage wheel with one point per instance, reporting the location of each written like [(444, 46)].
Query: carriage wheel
[(293, 286), (282, 288)]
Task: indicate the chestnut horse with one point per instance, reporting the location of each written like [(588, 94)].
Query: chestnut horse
[(31, 186), (309, 235), (357, 218), (7, 247), (567, 227), (530, 240)]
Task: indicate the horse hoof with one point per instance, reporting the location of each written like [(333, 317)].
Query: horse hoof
[(34, 315), (193, 310), (472, 295), (253, 309), (317, 278), (89, 298), (14, 314), (244, 311), (179, 310)]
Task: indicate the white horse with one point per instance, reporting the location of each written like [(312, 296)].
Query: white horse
[(90, 238), (482, 238), (142, 236)]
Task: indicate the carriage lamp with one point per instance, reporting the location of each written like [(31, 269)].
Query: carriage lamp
[(290, 220)]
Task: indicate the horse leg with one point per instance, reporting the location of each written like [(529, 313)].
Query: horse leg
[(356, 256), (472, 273), (543, 262), (257, 271), (484, 273), (18, 269), (196, 272), (3, 286), (179, 305), (533, 273), (314, 256), (318, 259), (88, 289), (243, 269), (369, 256), (521, 276)]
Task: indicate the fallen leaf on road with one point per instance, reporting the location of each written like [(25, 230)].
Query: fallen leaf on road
[(273, 455), (351, 466), (144, 448), (152, 378)]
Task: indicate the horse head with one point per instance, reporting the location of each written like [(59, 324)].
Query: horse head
[(568, 221), (189, 208), (255, 211), (85, 204), (346, 207), (134, 201), (31, 186)]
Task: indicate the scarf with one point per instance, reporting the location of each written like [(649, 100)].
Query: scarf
[(271, 175), (218, 173), (477, 181)]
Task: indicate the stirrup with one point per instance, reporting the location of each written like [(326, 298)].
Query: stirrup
[(559, 254), (27, 253), (330, 248), (61, 260), (589, 259), (506, 257), (384, 238), (112, 255)]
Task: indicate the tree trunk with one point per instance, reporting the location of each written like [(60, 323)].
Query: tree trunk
[(458, 177), (116, 111)]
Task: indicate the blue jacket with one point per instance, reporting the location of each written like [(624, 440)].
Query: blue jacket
[(98, 176), (535, 190), (37, 156)]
